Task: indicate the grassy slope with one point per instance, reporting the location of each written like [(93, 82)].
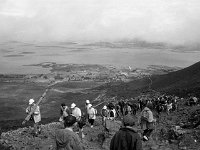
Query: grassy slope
[(180, 83)]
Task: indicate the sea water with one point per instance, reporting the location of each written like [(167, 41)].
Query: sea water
[(20, 57)]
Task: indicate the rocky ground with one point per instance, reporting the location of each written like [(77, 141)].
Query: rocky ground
[(168, 134)]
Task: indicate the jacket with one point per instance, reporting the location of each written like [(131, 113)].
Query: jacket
[(67, 140), (126, 139), (92, 113), (150, 114), (149, 123), (36, 115), (77, 113)]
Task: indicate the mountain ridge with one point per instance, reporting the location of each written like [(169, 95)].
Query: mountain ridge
[(181, 82)]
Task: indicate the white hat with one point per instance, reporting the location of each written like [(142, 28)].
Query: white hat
[(73, 105), (87, 101), (31, 101), (105, 107), (89, 105)]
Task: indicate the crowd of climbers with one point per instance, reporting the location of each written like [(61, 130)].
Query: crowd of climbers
[(127, 138)]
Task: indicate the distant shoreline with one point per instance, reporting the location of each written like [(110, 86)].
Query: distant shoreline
[(20, 58)]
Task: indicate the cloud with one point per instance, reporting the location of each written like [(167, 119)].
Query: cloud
[(174, 21)]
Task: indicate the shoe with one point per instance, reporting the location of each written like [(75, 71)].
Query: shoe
[(145, 138), (91, 126)]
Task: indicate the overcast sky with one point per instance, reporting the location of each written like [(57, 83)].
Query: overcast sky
[(175, 21)]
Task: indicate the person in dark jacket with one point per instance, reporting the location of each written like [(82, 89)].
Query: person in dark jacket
[(67, 139), (127, 137)]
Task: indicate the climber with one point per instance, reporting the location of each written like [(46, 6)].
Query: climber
[(35, 117), (67, 138), (64, 111), (147, 123), (91, 114), (127, 138), (76, 111)]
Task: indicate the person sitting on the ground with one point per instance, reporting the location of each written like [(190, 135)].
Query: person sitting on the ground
[(91, 114), (76, 111), (35, 117), (127, 137), (66, 139), (147, 123)]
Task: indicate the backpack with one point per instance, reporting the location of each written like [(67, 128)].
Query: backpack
[(82, 122), (112, 113), (104, 112), (145, 115)]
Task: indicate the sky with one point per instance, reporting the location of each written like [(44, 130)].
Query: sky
[(171, 21)]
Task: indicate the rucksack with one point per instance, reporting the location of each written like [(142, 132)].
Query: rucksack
[(104, 112), (82, 121), (112, 113)]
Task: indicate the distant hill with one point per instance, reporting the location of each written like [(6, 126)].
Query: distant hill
[(139, 43), (181, 83)]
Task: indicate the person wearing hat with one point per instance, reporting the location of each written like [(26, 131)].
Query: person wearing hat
[(87, 102), (127, 137), (35, 117), (91, 114), (67, 139), (76, 111)]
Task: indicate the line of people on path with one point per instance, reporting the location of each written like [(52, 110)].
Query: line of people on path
[(81, 116), (72, 117), (128, 137)]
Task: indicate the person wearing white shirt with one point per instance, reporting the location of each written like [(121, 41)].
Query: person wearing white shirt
[(76, 111), (91, 115)]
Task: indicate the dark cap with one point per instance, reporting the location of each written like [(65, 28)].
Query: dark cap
[(69, 121), (129, 120)]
